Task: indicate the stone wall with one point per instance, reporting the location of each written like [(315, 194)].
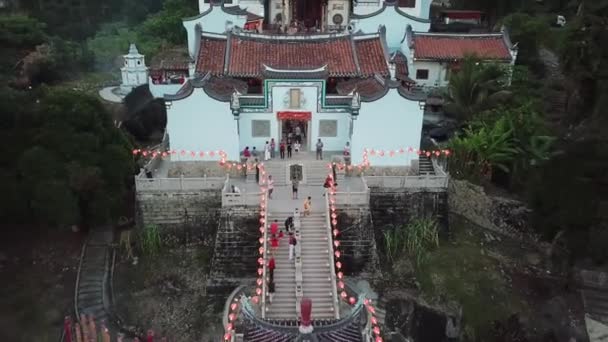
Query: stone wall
[(176, 208), (236, 251), (400, 206), (357, 242), (499, 214)]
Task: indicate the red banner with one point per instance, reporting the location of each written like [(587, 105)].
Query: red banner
[(303, 116)]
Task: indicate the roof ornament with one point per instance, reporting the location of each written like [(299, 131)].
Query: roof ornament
[(235, 103), (355, 103)]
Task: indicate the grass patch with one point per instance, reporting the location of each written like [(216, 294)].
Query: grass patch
[(460, 270)]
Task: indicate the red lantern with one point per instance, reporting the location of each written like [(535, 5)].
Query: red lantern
[(229, 326), (335, 232), (261, 261), (233, 306), (135, 152), (258, 291), (373, 152), (144, 153), (231, 317), (260, 271), (447, 152), (352, 300), (339, 265), (376, 330), (334, 222), (336, 243), (378, 339), (337, 254), (343, 294), (340, 275), (341, 284), (374, 320), (227, 337), (255, 299), (211, 154), (261, 250), (381, 153), (428, 154), (193, 154), (164, 154), (391, 153), (261, 240), (259, 282)]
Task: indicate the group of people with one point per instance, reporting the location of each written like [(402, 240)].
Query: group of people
[(275, 239)]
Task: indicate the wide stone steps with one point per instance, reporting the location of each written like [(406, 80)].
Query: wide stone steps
[(316, 268), (284, 300)]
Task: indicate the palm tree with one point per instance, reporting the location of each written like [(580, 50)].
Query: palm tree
[(482, 149), (472, 86)]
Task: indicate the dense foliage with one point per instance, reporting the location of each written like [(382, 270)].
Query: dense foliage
[(65, 164)]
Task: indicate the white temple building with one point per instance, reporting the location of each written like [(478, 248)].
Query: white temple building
[(134, 72), (249, 78)]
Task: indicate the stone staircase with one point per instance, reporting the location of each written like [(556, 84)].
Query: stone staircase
[(284, 304), (425, 166), (278, 171), (92, 288), (316, 172), (316, 270)]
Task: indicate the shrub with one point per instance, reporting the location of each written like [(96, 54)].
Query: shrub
[(414, 239), (150, 242)]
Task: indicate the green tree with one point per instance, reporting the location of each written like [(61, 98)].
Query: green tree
[(168, 22), (69, 164), (528, 32), (21, 31), (472, 87)]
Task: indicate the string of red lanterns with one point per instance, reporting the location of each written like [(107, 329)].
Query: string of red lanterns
[(259, 289), (340, 285)]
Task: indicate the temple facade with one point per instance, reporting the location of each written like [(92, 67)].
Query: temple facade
[(244, 82)]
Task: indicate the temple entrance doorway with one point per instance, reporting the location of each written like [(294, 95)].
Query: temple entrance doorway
[(295, 126), (308, 12)]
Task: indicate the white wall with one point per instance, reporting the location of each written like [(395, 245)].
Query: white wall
[(436, 73), (200, 123), (395, 26), (388, 124), (214, 22), (280, 102), (160, 90)]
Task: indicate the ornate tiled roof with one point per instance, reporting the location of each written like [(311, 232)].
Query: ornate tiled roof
[(401, 70), (456, 46), (218, 88), (211, 55), (370, 89), (245, 55), (173, 59)]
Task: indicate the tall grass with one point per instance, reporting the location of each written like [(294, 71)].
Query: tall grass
[(415, 239), (150, 242)]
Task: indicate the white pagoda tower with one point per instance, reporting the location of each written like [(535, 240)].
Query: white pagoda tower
[(134, 72)]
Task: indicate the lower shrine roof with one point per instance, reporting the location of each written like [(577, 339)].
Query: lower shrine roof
[(436, 46), (240, 54)]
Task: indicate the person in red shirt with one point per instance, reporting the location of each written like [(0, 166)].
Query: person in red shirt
[(274, 243), (271, 264), (274, 227)]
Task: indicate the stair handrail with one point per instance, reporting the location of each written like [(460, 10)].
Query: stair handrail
[(330, 251), (249, 314), (265, 256)]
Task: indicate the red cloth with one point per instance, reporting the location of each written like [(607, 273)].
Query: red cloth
[(294, 115), (271, 264), (274, 228), (306, 310), (274, 242)]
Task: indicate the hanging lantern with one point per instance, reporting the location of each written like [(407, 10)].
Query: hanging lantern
[(381, 153), (376, 330), (339, 265), (337, 243), (193, 154), (366, 301), (211, 154), (229, 326), (373, 152), (164, 154), (258, 291), (259, 282), (352, 300), (337, 254), (447, 152), (340, 275), (135, 152), (260, 271), (391, 153), (335, 232), (233, 306), (378, 339), (261, 240), (227, 337), (341, 284), (261, 261), (428, 154), (261, 250), (374, 320), (343, 294), (255, 299), (144, 153), (173, 152), (262, 230), (231, 317)]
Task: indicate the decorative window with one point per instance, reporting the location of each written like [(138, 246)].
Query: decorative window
[(294, 98), (260, 128), (422, 74), (138, 62), (328, 128)]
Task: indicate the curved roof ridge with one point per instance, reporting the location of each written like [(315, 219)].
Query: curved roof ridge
[(458, 35), (289, 37), (319, 69), (395, 6)]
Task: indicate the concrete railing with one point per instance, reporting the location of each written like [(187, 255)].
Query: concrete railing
[(244, 199), (297, 225), (332, 262), (414, 182), (354, 198), (182, 183)]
